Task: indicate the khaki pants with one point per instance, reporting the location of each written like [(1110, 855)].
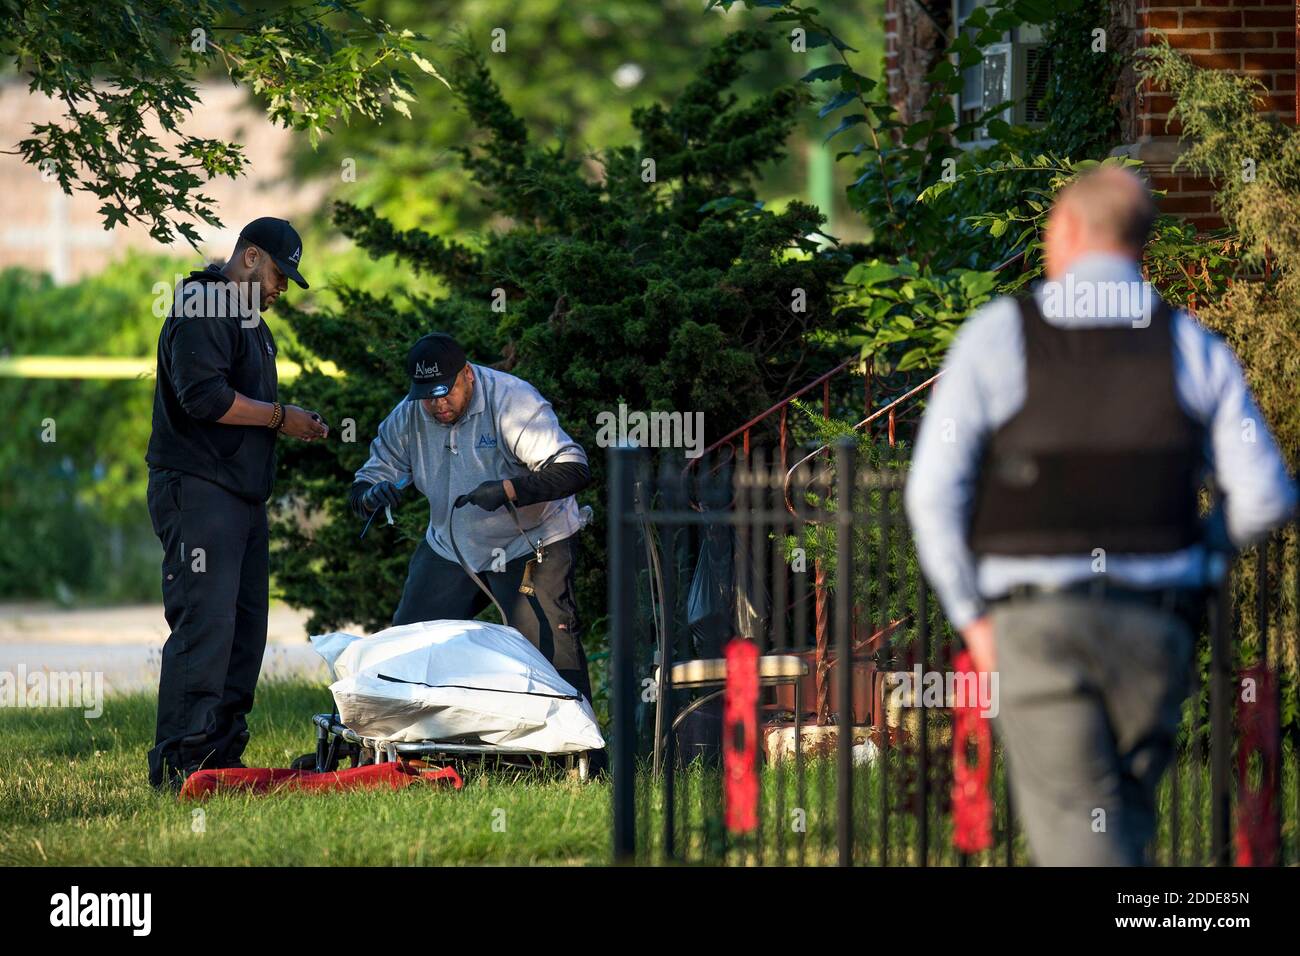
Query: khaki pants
[(1090, 692)]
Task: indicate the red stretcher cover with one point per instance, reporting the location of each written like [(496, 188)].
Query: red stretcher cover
[(393, 775)]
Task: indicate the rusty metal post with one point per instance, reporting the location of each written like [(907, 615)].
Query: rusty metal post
[(845, 479), (821, 627)]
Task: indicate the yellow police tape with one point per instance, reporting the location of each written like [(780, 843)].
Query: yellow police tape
[(78, 366)]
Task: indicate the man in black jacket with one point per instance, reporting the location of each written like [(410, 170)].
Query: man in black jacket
[(211, 463)]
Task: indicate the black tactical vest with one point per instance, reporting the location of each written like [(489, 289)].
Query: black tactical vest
[(1101, 455)]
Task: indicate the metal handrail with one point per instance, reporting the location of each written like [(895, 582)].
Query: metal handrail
[(785, 487), (782, 406), (824, 381), (886, 409)]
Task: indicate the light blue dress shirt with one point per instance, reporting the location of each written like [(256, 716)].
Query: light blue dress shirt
[(983, 386)]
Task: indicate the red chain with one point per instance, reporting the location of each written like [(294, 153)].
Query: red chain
[(972, 807), (740, 736), (1257, 811)]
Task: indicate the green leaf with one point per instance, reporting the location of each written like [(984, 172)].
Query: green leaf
[(916, 132), (941, 71), (912, 359), (830, 71), (868, 274), (820, 39), (847, 122), (428, 67), (857, 83), (935, 190), (840, 99), (998, 128)]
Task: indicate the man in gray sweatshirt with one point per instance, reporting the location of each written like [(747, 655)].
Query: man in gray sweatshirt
[(500, 474)]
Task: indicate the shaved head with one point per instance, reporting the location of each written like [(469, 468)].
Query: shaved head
[(1108, 209), (1114, 205)]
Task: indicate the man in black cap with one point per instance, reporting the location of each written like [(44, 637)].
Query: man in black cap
[(211, 462), (500, 472)]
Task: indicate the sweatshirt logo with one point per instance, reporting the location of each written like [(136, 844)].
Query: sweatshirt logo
[(426, 371), (487, 441)]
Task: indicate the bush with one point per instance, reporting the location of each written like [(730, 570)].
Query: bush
[(673, 292), (73, 522)]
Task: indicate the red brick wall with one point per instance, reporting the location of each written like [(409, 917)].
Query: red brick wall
[(1256, 37), (913, 42), (891, 43)]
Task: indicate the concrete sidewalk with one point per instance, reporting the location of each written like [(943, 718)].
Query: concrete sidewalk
[(125, 643)]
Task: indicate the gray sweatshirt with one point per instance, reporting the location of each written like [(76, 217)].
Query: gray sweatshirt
[(508, 431)]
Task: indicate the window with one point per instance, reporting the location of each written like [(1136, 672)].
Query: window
[(1018, 69)]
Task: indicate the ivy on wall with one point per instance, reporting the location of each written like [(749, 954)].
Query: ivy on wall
[(1083, 93)]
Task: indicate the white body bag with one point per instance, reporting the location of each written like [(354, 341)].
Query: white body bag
[(456, 682)]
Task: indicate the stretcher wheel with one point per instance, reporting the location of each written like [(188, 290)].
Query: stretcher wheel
[(580, 767), (305, 762)]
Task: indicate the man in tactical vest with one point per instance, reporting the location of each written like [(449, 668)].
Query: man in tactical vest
[(1054, 498)]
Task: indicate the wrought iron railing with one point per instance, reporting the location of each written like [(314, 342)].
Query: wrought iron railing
[(820, 758)]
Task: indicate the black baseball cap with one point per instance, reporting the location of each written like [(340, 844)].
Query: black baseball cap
[(280, 241), (433, 364)]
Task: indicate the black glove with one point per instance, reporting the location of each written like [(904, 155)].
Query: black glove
[(489, 496), (385, 494)]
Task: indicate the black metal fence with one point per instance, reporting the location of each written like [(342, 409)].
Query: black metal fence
[(811, 742)]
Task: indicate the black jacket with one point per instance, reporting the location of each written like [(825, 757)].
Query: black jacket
[(205, 355)]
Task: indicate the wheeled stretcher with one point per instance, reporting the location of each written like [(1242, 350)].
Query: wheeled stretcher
[(461, 692), (335, 742)]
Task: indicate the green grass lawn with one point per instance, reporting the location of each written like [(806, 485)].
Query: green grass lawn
[(75, 792)]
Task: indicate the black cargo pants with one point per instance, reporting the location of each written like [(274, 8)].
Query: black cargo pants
[(214, 583), (438, 589)]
